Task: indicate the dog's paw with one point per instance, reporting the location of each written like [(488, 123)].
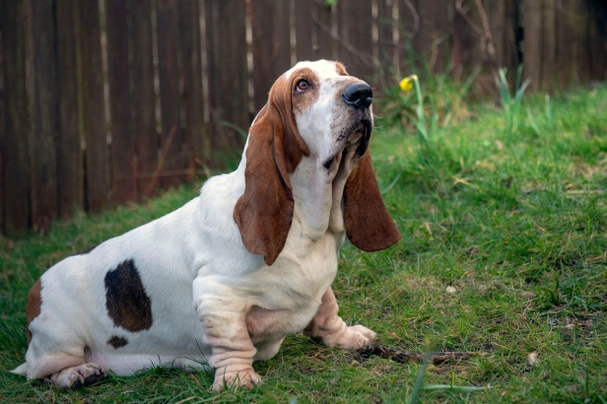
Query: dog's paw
[(76, 377), (245, 378), (354, 337)]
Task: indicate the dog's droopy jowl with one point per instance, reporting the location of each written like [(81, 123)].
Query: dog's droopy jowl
[(221, 281)]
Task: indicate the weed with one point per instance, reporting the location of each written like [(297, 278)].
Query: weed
[(511, 102)]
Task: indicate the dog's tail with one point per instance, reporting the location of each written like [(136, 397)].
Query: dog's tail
[(21, 370)]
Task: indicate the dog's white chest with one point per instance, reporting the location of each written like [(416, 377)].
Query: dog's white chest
[(292, 288)]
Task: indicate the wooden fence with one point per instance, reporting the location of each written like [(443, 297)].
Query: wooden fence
[(104, 101)]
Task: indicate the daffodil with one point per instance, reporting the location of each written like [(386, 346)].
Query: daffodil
[(406, 84)]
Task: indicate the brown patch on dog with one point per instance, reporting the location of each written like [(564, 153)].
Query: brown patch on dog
[(127, 303), (117, 342), (303, 100), (341, 69), (34, 301), (265, 210)]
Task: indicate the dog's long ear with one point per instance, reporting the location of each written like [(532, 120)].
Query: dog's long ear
[(368, 223), (265, 211)]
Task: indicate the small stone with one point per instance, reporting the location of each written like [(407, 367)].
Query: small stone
[(451, 290), (532, 359)]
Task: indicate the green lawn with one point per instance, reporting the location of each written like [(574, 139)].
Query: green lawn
[(515, 225)]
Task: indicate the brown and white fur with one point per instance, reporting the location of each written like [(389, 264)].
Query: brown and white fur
[(226, 277)]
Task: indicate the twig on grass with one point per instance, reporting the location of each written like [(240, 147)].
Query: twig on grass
[(411, 357)]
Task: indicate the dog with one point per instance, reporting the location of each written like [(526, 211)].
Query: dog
[(222, 280)]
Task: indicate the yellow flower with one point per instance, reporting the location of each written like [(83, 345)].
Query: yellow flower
[(406, 84)]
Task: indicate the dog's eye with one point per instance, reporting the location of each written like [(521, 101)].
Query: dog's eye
[(302, 85)]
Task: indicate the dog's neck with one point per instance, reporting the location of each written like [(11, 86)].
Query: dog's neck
[(318, 193)]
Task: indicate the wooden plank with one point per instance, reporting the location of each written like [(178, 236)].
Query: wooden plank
[(325, 45), (510, 55), (566, 50), (432, 40), (45, 113), (92, 106), (502, 19), (227, 77), (170, 99), (271, 45), (598, 41), (581, 36), (387, 51), (123, 139), (1, 128), (69, 152), (355, 43), (549, 45), (532, 53), (197, 146), (408, 28), (304, 44), (15, 120), (144, 97)]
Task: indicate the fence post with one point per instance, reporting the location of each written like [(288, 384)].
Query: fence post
[(227, 77), (196, 130), (170, 100), (123, 139), (271, 45), (69, 151), (15, 120), (92, 106), (45, 114), (355, 43), (144, 97)]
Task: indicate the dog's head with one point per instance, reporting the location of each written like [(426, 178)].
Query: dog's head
[(319, 112)]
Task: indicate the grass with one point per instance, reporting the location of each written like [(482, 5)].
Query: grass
[(518, 232)]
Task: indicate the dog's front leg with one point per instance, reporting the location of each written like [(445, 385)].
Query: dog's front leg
[(222, 314), (332, 330)]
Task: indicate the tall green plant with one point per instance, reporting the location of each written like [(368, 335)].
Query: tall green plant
[(426, 126), (511, 102)]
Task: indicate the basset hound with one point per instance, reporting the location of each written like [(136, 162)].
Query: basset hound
[(221, 281)]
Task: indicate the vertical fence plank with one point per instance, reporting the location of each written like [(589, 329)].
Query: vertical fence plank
[(2, 134), (581, 36), (549, 44), (408, 29), (196, 130), (69, 152), (509, 55), (598, 40), (355, 43), (123, 143), (565, 51), (322, 16), (168, 71), (271, 45), (45, 113), (15, 120), (387, 52), (433, 39), (92, 106), (144, 98), (227, 76), (532, 53), (304, 48)]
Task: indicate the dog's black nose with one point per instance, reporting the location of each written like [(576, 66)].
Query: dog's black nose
[(359, 95)]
